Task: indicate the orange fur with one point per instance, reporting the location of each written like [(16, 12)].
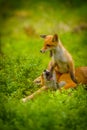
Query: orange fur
[(80, 74)]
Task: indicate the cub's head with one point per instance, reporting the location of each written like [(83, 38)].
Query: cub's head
[(49, 80), (47, 75), (50, 42)]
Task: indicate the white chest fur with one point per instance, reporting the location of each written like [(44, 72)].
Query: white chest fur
[(59, 55), (60, 58)]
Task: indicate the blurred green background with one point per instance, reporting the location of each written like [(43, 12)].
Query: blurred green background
[(21, 23)]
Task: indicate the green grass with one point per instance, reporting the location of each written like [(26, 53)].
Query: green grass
[(21, 62)]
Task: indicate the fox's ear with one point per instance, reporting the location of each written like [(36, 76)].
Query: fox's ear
[(55, 38), (43, 36)]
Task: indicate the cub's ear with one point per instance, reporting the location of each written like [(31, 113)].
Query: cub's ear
[(55, 38), (43, 36)]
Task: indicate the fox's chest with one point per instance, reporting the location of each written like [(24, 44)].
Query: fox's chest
[(59, 55), (61, 61), (62, 67)]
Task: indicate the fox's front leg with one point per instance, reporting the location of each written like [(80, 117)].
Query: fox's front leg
[(44, 88), (72, 72), (51, 66)]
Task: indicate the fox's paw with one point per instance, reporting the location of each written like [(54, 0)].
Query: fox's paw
[(24, 100), (62, 83)]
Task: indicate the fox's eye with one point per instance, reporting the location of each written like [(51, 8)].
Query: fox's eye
[(48, 45)]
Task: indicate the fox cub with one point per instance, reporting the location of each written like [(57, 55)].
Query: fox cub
[(61, 58)]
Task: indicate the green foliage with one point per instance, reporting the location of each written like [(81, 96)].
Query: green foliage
[(21, 62), (48, 111)]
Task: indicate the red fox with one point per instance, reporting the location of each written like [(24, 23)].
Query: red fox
[(61, 58), (62, 82)]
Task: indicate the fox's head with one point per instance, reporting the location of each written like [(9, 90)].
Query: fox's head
[(50, 42)]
